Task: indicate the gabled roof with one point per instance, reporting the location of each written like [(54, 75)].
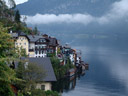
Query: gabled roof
[(19, 33), (53, 41), (14, 35), (34, 38), (46, 65)]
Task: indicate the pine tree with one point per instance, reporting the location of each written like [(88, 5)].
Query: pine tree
[(35, 31), (17, 16)]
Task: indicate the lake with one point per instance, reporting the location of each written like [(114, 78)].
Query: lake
[(107, 74)]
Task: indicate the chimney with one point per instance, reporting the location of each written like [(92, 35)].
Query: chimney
[(10, 31), (32, 34), (45, 35)]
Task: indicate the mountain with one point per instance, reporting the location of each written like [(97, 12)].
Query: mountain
[(76, 33), (93, 7)]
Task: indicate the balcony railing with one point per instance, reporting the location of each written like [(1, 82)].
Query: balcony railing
[(31, 50)]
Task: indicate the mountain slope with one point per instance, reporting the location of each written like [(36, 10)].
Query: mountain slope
[(94, 7), (75, 32)]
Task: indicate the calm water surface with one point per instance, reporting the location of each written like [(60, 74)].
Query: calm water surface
[(107, 74)]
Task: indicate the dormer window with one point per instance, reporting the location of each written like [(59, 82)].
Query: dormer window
[(44, 41)]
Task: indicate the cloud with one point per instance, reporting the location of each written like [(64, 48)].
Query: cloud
[(118, 11), (62, 18)]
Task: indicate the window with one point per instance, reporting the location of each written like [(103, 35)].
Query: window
[(21, 38), (39, 51), (44, 46), (16, 43), (42, 87), (24, 43), (44, 41), (36, 52)]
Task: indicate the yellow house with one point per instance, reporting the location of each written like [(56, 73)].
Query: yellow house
[(22, 42)]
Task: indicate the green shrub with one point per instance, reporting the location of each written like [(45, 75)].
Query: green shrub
[(51, 93), (37, 92)]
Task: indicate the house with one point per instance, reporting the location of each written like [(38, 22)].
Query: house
[(42, 45), (69, 53), (53, 45), (21, 41), (38, 46), (44, 63), (73, 56)]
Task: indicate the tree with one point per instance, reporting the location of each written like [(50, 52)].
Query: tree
[(7, 54), (35, 30), (23, 52), (7, 48), (6, 14), (17, 16), (30, 72), (11, 4), (59, 70), (7, 75), (33, 74)]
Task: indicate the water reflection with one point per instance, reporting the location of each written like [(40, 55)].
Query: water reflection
[(67, 84), (108, 74)]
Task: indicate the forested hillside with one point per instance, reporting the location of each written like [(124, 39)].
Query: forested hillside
[(16, 81)]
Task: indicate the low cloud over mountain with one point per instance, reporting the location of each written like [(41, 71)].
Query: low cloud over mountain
[(118, 11)]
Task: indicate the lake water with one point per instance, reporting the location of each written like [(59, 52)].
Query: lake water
[(107, 74)]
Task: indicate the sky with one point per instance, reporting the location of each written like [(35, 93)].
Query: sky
[(18, 1), (118, 11)]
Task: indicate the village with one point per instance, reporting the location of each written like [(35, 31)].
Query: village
[(40, 48)]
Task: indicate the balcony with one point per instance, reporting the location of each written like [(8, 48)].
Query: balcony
[(31, 50)]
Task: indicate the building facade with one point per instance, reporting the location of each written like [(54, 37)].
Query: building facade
[(21, 41)]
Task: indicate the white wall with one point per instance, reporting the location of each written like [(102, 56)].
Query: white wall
[(48, 85), (32, 46)]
